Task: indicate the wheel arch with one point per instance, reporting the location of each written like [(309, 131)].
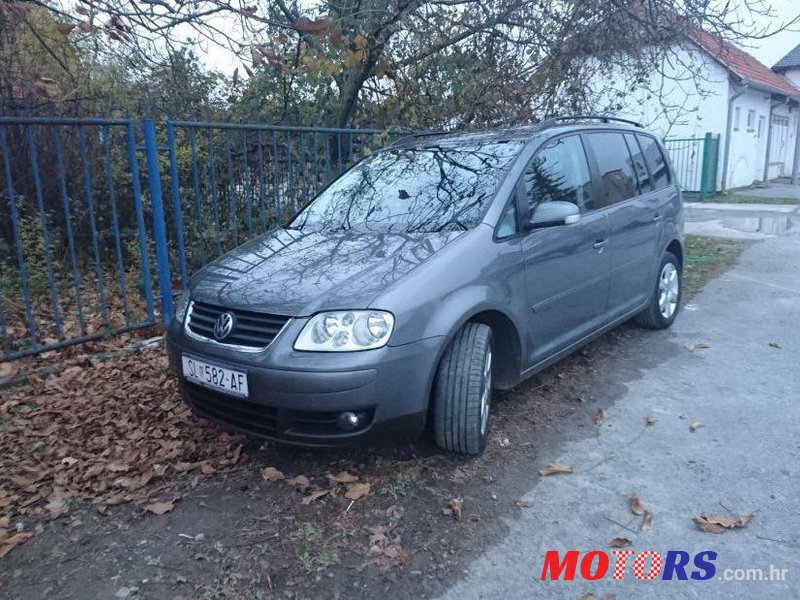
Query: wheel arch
[(506, 345), (676, 248)]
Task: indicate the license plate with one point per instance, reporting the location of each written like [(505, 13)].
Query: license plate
[(215, 376)]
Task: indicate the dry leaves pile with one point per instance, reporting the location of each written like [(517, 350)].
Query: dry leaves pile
[(102, 431), (385, 549), (353, 488)]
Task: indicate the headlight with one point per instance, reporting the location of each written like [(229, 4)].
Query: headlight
[(182, 307), (345, 331)]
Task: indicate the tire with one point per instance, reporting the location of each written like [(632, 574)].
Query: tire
[(463, 391), (666, 297)]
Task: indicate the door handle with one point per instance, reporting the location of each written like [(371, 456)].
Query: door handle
[(657, 217), (598, 244)]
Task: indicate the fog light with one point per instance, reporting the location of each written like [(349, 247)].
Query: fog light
[(349, 421)]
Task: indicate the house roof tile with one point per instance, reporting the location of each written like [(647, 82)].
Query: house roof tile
[(741, 64)]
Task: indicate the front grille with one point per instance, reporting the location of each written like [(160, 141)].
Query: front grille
[(250, 329), (242, 414)]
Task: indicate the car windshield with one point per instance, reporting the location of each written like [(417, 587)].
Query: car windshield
[(410, 190)]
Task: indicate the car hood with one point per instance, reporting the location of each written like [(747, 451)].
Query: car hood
[(295, 273)]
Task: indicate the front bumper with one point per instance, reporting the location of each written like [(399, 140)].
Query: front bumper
[(298, 397)]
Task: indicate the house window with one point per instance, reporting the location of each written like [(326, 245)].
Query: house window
[(760, 127), (751, 120), (736, 115)]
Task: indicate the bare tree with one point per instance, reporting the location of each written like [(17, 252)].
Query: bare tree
[(499, 53)]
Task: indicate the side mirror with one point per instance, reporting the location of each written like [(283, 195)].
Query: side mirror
[(557, 212)]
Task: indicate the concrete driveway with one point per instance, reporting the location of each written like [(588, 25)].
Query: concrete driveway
[(744, 387)]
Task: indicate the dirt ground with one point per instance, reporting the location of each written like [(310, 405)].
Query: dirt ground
[(92, 455)]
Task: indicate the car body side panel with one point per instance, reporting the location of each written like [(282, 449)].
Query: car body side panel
[(635, 247), (566, 273), (472, 274)]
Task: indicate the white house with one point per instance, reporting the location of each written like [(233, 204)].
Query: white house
[(708, 85), (789, 67)]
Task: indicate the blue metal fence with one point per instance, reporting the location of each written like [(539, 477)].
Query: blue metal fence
[(73, 242), (90, 205)]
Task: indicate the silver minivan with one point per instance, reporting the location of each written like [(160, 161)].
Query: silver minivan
[(429, 274)]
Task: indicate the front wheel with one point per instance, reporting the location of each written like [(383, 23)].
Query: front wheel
[(666, 297), (463, 391)]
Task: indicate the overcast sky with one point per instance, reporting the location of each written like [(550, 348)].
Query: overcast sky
[(771, 50)]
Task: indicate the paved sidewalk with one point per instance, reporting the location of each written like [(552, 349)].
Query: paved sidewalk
[(745, 458)]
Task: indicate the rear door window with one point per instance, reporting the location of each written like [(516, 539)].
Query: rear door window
[(659, 172), (614, 165), (559, 171)]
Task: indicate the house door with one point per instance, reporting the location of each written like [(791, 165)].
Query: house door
[(779, 142)]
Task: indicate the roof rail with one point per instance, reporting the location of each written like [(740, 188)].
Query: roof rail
[(553, 121), (415, 135)]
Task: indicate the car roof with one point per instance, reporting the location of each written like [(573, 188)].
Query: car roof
[(522, 133)]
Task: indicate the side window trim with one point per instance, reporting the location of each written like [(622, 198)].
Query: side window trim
[(650, 187), (650, 179), (633, 167), (598, 188), (515, 199)]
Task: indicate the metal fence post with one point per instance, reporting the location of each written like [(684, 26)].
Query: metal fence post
[(159, 223), (177, 208), (704, 170)]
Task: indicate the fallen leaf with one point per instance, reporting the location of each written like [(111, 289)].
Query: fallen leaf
[(271, 474), (696, 425), (355, 491), (706, 526), (314, 496), (775, 344), (159, 508), (522, 504), (207, 468), (454, 508), (698, 346), (716, 524), (15, 540), (647, 521), (619, 542), (555, 468), (636, 505), (650, 420), (4, 521), (599, 416), (300, 480), (56, 506), (69, 461), (343, 477)]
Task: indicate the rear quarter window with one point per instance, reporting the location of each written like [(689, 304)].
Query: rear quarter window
[(656, 163)]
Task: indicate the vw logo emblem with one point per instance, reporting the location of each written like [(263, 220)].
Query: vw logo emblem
[(223, 326)]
